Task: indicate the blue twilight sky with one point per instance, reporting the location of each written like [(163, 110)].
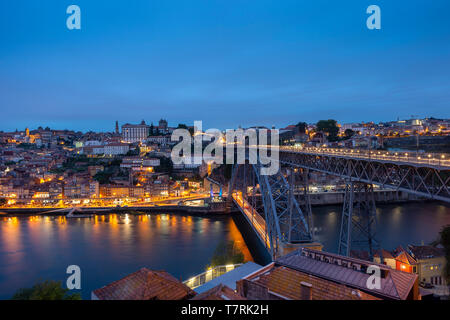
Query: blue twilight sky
[(227, 62)]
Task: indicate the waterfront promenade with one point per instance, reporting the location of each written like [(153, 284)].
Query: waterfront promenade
[(188, 205)]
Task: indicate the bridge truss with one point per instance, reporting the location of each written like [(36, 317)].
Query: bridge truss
[(429, 181), (271, 198), (282, 200), (358, 225)]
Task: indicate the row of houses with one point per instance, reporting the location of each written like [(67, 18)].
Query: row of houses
[(427, 262)]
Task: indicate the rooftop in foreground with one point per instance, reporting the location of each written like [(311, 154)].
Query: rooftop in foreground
[(145, 284), (351, 272)]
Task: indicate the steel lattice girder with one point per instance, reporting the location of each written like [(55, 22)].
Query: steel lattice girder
[(429, 182), (291, 220), (346, 222), (358, 224), (285, 221)]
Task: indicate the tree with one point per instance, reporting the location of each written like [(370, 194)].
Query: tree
[(228, 171), (445, 241), (183, 126), (152, 127), (134, 152), (103, 177), (349, 133), (47, 290), (301, 127), (165, 166), (329, 127), (227, 253)]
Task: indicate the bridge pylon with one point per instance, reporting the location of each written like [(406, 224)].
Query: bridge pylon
[(271, 207), (358, 223)]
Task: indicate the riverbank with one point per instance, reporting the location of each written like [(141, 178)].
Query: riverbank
[(214, 208), (218, 208), (380, 197)]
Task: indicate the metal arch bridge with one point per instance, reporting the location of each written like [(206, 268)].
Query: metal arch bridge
[(426, 175), (268, 203), (280, 212)]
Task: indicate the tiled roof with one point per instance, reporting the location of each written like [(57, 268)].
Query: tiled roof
[(405, 257), (145, 284), (360, 254), (219, 292), (364, 254), (286, 283), (397, 250), (350, 272), (116, 144), (426, 252), (386, 254)]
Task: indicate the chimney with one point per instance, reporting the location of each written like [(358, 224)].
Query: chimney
[(305, 291)]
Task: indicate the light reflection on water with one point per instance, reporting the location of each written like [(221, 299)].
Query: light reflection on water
[(107, 247), (398, 224)]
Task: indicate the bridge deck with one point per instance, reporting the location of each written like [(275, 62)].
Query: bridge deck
[(258, 223), (438, 161)]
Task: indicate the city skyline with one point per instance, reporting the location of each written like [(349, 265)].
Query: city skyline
[(174, 125), (265, 64)]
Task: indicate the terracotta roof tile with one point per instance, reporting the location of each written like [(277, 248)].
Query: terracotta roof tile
[(405, 257), (386, 254), (286, 282), (394, 284), (426, 252), (145, 284)]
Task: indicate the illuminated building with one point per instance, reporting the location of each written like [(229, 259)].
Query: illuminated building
[(135, 132), (116, 149), (430, 264)]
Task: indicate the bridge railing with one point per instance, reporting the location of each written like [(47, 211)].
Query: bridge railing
[(256, 221), (432, 159), (209, 275)]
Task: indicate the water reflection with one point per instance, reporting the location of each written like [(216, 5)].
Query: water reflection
[(398, 224), (107, 247)]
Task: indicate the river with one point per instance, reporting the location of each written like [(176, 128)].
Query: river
[(109, 247)]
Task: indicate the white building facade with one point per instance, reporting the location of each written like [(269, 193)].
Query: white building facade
[(135, 132)]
